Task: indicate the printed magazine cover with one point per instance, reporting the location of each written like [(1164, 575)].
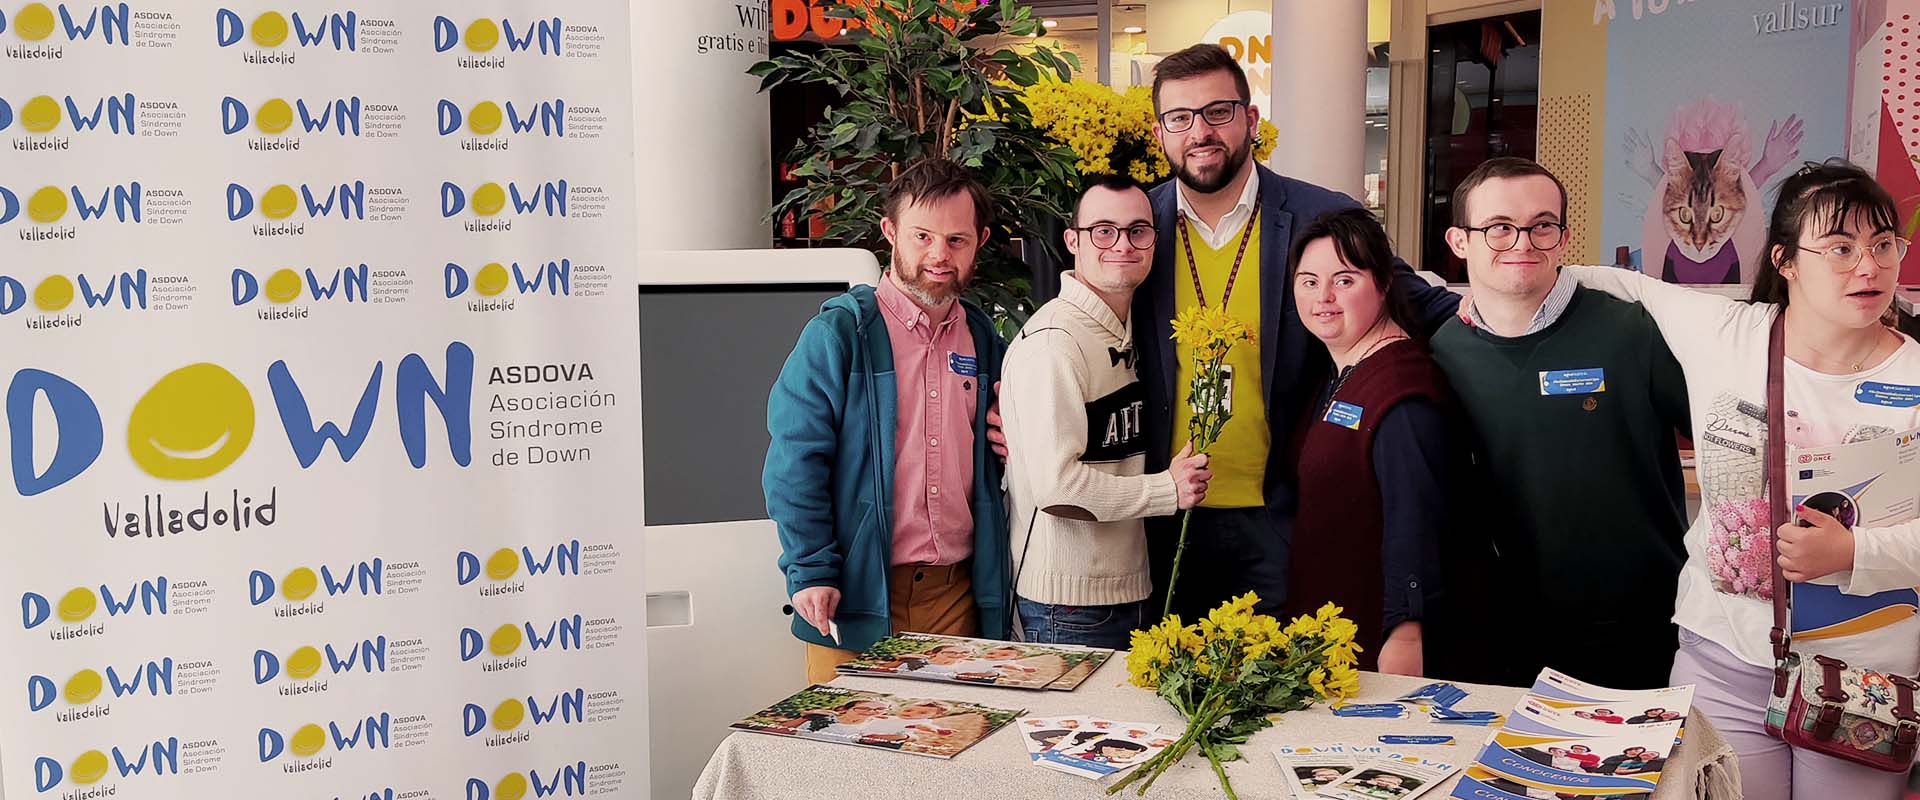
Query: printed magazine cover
[(1315, 766), (1554, 685), (1394, 776), (1871, 483), (954, 659), (938, 728), (1120, 747), (1625, 764), (1540, 715)]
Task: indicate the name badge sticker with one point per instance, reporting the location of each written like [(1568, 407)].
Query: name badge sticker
[(1345, 415), (963, 365), (1560, 382), (1890, 395)]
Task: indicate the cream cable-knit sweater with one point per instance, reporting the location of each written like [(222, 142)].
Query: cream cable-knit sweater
[(1071, 408)]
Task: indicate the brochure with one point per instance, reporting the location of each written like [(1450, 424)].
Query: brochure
[(1117, 747), (1866, 484), (1394, 776), (938, 728), (1315, 766), (955, 659)]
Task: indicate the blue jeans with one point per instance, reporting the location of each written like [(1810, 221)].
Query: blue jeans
[(1092, 626)]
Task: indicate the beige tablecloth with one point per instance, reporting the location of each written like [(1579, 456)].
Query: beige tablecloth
[(753, 766)]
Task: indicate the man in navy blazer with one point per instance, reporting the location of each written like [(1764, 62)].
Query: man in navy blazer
[(1239, 538)]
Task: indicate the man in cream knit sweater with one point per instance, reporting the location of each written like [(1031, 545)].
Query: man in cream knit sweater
[(1072, 406)]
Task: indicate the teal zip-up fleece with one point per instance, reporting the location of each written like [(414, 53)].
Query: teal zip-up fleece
[(829, 471)]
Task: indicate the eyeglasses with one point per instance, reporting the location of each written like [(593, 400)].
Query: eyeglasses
[(1106, 235), (1502, 237), (1845, 256), (1216, 113)]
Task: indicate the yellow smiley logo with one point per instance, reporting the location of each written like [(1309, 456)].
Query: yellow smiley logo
[(47, 205), (283, 286), (41, 114), (269, 29), (491, 280), (508, 715), (53, 293), (489, 199), (274, 116), (299, 584), (307, 741), (503, 564), (504, 640), (484, 119), (511, 787), (193, 423), (304, 663), (82, 687), (278, 202), (89, 768), (34, 22), (77, 605), (482, 35)]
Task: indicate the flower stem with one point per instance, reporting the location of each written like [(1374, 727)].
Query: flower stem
[(1178, 551), (1222, 772)]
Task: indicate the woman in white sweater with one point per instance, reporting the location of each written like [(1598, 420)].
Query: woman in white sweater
[(1831, 264)]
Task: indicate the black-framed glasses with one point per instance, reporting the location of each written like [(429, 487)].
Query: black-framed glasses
[(1502, 237), (1216, 113), (1105, 235)]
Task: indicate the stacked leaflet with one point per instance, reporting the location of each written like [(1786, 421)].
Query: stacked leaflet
[(1358, 772), (1568, 738), (1091, 747), (956, 659)]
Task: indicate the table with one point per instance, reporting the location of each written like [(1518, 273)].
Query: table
[(753, 766)]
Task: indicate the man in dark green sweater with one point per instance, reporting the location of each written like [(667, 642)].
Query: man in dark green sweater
[(1575, 401)]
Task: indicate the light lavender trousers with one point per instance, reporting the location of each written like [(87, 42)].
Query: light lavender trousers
[(1734, 694)]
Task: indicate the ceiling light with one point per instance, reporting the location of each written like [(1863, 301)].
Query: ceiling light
[(1133, 29)]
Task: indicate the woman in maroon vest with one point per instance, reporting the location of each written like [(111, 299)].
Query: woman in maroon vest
[(1376, 449)]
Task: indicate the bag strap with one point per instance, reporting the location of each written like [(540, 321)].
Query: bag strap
[(1776, 454)]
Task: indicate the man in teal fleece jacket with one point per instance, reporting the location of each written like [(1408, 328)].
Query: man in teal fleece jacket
[(880, 407)]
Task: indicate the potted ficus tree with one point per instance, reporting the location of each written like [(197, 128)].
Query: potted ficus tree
[(919, 79)]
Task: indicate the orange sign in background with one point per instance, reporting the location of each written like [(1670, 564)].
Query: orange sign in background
[(794, 19)]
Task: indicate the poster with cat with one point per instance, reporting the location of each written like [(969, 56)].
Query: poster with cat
[(1704, 117)]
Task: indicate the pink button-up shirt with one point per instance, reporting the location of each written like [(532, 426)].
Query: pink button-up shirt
[(935, 371)]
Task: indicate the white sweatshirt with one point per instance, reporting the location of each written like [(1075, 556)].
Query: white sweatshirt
[(1071, 409), (1722, 345)]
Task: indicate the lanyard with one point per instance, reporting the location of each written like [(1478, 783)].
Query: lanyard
[(1193, 268)]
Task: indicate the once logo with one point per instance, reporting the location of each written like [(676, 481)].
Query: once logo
[(375, 732), (198, 420), (35, 22), (85, 686), (79, 603), (269, 30), (160, 758), (483, 35)]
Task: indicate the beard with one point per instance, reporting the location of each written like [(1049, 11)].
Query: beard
[(1210, 181), (913, 281)]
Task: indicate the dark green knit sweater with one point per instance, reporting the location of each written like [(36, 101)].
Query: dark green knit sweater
[(1579, 487)]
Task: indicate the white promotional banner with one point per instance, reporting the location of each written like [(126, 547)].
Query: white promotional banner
[(318, 346)]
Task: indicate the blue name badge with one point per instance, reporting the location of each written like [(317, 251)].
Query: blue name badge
[(1427, 740), (1891, 395), (1573, 381), (1345, 415), (1382, 710), (963, 365)]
